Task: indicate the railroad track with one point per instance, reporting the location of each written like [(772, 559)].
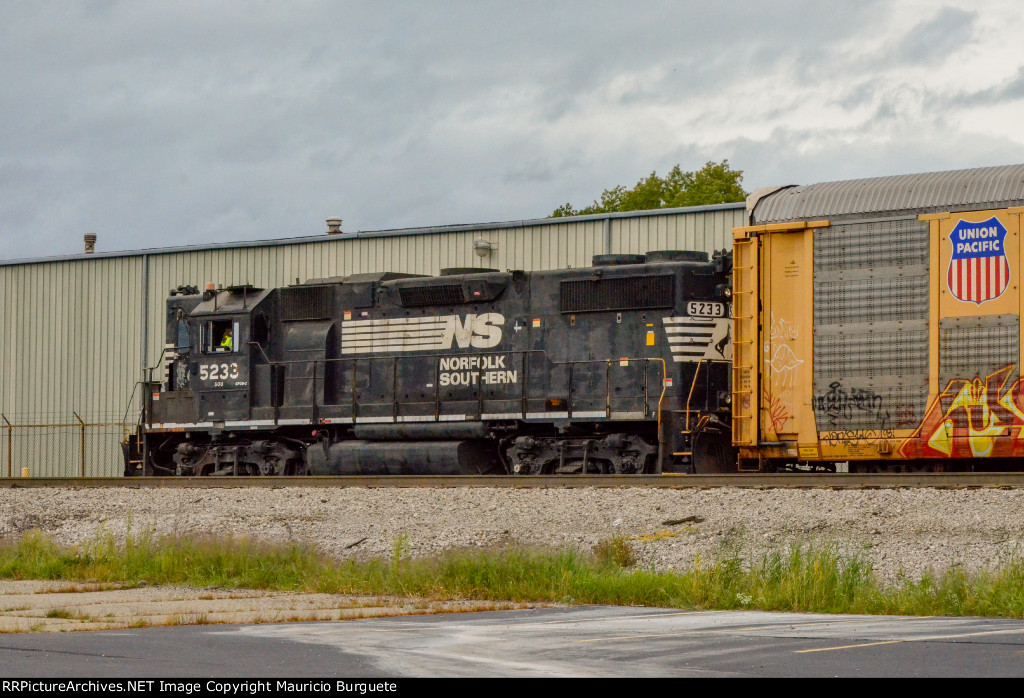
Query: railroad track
[(772, 481)]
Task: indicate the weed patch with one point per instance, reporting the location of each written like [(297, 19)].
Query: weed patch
[(616, 552), (807, 578), (59, 613)]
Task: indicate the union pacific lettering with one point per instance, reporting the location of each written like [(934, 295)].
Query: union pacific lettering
[(440, 332), (979, 246)]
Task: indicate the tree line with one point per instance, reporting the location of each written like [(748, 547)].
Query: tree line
[(715, 183)]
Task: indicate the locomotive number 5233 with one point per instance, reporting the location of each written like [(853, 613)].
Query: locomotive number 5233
[(212, 372), (705, 309)]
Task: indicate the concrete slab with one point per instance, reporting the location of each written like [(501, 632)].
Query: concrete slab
[(56, 606)]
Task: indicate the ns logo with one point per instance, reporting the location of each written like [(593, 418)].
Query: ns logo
[(432, 332), (478, 331)]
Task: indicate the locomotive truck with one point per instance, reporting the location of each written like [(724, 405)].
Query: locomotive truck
[(621, 367)]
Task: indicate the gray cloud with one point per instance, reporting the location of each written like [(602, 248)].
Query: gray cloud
[(158, 124), (933, 39), (804, 156), (1008, 91)]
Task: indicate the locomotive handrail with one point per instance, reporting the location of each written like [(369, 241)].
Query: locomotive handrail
[(159, 363), (693, 385), (260, 347), (124, 417), (145, 417), (317, 378)]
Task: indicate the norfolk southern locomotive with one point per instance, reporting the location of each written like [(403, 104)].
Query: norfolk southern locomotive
[(622, 367)]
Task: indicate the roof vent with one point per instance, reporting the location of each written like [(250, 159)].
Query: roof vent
[(334, 226), (457, 271), (612, 260), (677, 256), (90, 243)]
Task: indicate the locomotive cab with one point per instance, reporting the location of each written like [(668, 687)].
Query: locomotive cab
[(213, 340), (211, 351)]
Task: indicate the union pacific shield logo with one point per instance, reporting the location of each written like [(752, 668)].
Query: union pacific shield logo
[(978, 270)]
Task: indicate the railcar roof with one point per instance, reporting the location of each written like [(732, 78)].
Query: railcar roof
[(974, 189)]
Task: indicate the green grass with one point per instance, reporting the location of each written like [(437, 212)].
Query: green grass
[(807, 578), (59, 613)]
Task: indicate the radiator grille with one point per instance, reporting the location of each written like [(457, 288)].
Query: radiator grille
[(307, 303), (628, 293), (443, 294)]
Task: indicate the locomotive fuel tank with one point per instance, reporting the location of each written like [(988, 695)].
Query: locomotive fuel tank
[(357, 457)]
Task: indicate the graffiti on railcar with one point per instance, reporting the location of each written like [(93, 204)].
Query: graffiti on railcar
[(906, 416), (779, 355), (854, 437), (974, 417), (781, 364), (777, 412), (840, 405)]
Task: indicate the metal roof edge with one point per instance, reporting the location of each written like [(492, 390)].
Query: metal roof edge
[(394, 232)]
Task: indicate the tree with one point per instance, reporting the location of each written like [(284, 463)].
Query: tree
[(715, 183)]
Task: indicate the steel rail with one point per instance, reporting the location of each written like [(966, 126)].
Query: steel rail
[(748, 481)]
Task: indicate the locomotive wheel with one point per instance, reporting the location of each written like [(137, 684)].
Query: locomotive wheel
[(712, 454)]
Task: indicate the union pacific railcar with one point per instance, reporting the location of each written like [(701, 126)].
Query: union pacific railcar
[(877, 322), (621, 367)]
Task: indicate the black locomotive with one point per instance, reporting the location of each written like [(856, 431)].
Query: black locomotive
[(622, 367)]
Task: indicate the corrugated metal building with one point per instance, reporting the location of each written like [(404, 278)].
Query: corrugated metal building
[(77, 332)]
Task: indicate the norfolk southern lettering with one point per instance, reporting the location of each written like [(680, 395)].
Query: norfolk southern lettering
[(472, 370)]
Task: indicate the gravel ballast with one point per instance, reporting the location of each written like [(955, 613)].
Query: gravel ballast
[(904, 531)]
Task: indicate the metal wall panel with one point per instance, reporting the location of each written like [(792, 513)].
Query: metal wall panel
[(870, 323), (977, 347), (708, 231), (72, 330), (66, 348)]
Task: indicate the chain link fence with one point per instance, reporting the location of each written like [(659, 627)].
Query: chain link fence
[(62, 445)]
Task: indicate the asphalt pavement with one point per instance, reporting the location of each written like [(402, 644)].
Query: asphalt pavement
[(589, 641)]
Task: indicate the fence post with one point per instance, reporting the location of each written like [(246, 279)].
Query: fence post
[(82, 427), (10, 435)]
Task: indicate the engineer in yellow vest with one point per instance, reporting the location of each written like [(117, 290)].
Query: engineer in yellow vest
[(226, 343)]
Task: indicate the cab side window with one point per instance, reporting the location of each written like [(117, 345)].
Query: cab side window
[(220, 337), (184, 339)]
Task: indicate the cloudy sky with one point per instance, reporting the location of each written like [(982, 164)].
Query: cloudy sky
[(155, 123)]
